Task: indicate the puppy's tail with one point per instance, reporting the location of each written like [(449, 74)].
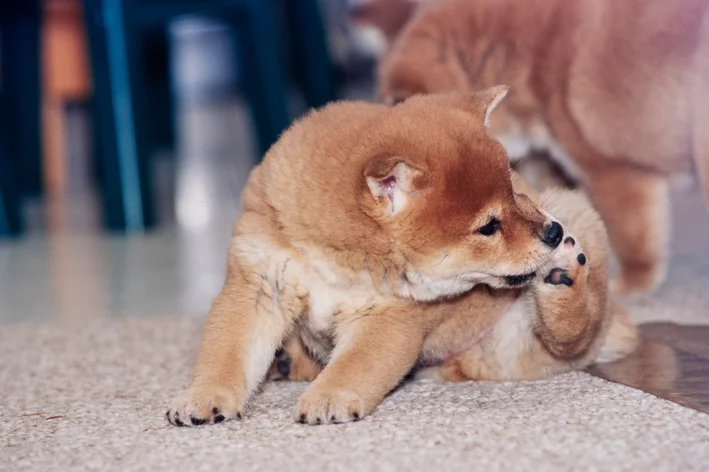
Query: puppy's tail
[(621, 338), (700, 99)]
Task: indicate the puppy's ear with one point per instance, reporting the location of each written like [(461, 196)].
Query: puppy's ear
[(480, 104), (391, 180)]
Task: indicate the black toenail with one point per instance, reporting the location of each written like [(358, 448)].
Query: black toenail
[(238, 416), (219, 418), (318, 421), (581, 258), (215, 411), (570, 240), (178, 421), (302, 419), (355, 416), (198, 421), (333, 419), (279, 352), (283, 366)]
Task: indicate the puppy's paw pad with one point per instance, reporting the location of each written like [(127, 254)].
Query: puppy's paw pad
[(559, 276), (569, 254), (317, 406), (203, 405), (568, 262)]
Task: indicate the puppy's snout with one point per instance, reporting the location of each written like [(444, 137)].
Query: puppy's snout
[(553, 235)]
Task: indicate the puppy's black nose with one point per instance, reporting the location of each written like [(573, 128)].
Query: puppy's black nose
[(553, 235)]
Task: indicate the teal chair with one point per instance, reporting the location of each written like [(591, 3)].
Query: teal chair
[(10, 221), (125, 109), (20, 146)]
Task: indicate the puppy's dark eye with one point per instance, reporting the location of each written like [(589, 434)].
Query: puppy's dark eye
[(490, 228)]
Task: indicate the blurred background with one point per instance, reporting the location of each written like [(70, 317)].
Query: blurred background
[(127, 131)]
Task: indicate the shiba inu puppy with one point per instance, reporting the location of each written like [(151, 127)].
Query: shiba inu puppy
[(359, 220)]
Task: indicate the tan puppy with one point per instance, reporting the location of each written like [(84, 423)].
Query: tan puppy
[(614, 90), (562, 322), (358, 218)]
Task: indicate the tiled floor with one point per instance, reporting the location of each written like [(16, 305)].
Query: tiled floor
[(66, 268)]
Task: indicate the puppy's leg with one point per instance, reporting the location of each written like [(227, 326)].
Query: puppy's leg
[(476, 363), (374, 351), (570, 307), (293, 362), (247, 322), (634, 204)]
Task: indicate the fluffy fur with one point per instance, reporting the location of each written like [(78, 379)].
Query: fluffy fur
[(358, 222), (613, 90)]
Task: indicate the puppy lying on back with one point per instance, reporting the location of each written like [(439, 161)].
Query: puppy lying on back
[(359, 219), (614, 90), (564, 321)]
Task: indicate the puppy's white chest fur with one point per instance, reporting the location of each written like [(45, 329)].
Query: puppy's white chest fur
[(330, 293), (324, 302)]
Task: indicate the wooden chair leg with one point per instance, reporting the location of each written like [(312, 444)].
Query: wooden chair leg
[(65, 80)]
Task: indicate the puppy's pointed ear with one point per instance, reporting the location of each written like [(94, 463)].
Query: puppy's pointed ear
[(391, 180), (480, 104)]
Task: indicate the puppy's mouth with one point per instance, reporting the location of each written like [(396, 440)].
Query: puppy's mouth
[(519, 280)]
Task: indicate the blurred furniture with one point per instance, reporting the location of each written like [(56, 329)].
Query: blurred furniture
[(20, 166), (115, 29), (132, 107), (10, 223), (65, 80)]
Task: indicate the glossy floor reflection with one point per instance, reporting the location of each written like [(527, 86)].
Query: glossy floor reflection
[(671, 362)]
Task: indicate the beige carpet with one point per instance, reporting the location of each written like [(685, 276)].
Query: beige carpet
[(94, 396)]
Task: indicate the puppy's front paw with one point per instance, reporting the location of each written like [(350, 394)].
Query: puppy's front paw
[(206, 404), (568, 264), (321, 406)]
